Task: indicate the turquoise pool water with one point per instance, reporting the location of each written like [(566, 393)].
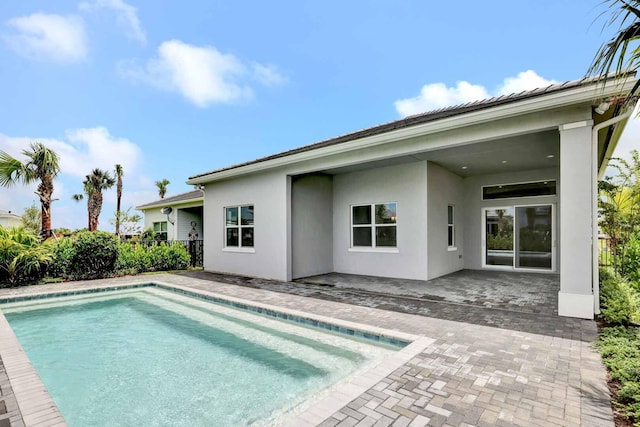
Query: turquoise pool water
[(150, 357)]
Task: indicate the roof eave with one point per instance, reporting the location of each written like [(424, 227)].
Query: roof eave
[(552, 100), (157, 204)]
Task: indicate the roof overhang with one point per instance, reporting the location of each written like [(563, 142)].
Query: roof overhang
[(155, 205), (575, 96)]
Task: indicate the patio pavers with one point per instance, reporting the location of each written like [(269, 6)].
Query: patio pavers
[(471, 374), (523, 292)]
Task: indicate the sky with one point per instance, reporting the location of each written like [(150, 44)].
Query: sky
[(175, 88)]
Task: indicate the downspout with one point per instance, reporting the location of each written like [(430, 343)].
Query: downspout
[(594, 208)]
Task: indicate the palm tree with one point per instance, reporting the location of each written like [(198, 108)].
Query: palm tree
[(42, 166), (94, 184), (613, 56), (119, 175), (162, 187)]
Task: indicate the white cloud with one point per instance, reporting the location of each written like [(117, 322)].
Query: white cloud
[(438, 95), (126, 15), (201, 74), (268, 75), (48, 37)]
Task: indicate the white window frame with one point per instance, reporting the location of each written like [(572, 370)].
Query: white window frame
[(166, 226), (240, 227), (373, 226), (451, 225)]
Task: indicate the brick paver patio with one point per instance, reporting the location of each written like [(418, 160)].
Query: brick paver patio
[(483, 366)]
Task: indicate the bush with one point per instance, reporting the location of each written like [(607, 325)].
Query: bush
[(63, 252), (620, 302), (630, 264), (23, 258), (168, 257), (95, 255), (138, 258), (620, 350)]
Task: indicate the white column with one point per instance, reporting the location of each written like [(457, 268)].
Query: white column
[(575, 298)]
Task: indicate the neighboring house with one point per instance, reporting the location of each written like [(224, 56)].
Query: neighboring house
[(506, 183), (181, 218), (8, 219)]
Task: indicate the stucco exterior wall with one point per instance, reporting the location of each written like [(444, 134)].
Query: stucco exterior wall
[(444, 189), (407, 186), (311, 225), (183, 224), (474, 222), (154, 215), (270, 256), (10, 221)]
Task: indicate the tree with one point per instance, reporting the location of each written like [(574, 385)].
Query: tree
[(619, 205), (614, 55), (94, 184), (162, 187), (32, 219), (129, 223), (119, 175), (42, 166)]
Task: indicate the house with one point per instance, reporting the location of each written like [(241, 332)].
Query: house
[(8, 219), (176, 218), (507, 183)]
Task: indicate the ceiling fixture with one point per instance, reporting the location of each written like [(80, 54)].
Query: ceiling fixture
[(550, 156), (603, 107), (464, 167), (503, 162)]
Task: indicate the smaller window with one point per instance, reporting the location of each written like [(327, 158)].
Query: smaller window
[(374, 225), (160, 230), (451, 230), (239, 226)]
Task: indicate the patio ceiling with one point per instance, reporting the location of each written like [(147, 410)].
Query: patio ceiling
[(524, 152)]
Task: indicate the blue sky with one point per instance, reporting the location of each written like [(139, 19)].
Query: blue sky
[(171, 89)]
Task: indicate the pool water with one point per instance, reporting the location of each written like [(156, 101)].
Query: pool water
[(151, 357)]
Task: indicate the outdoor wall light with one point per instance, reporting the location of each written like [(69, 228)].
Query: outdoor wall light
[(167, 211), (603, 107)]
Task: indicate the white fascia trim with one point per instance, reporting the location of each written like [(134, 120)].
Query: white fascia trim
[(530, 105), (181, 202)]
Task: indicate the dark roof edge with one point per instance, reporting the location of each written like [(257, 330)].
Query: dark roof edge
[(178, 198), (426, 117)]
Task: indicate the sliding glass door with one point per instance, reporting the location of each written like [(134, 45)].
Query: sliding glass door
[(519, 237)]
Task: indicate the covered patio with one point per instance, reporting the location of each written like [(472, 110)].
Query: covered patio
[(501, 290)]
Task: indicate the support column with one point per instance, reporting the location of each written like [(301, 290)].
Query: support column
[(575, 298)]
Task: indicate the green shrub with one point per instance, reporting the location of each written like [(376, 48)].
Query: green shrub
[(168, 257), (620, 350), (95, 255), (620, 302), (630, 264), (605, 274), (139, 258), (63, 252), (23, 258)]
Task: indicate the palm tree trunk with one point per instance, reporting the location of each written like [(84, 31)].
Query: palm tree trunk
[(45, 190)]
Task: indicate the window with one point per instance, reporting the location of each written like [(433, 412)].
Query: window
[(526, 189), (374, 226), (451, 230), (239, 226), (160, 230)]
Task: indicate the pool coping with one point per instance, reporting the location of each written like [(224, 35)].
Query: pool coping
[(38, 408)]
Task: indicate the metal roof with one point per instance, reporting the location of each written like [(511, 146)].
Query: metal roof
[(178, 198), (419, 119)]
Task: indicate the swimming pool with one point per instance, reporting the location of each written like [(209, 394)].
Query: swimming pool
[(152, 357)]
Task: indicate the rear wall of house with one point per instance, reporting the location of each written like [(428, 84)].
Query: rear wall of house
[(311, 225), (444, 189), (474, 221), (405, 185), (269, 195)]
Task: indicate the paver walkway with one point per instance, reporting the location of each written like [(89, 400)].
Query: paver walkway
[(542, 372)]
